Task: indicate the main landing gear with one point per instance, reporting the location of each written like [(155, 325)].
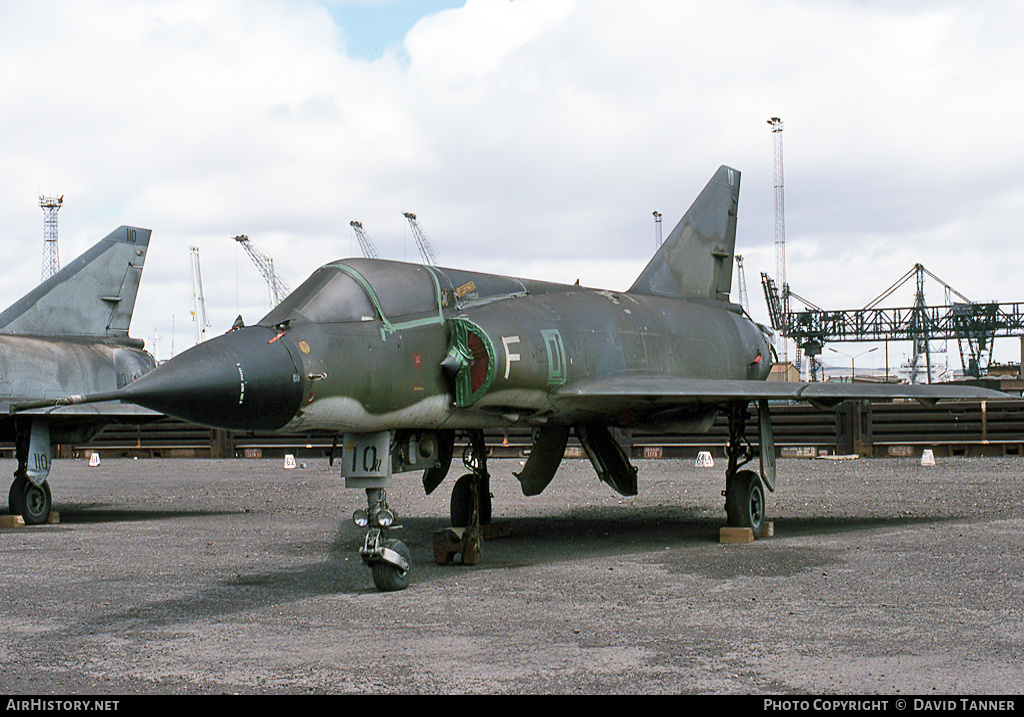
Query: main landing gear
[(470, 506), (744, 492), (29, 495)]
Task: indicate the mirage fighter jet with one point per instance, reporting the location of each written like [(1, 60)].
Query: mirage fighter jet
[(397, 357), (69, 334)]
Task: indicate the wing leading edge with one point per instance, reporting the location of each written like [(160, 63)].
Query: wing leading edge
[(640, 391)]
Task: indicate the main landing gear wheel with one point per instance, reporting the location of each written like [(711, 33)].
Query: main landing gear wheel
[(462, 502), (30, 501), (744, 501), (388, 577), (14, 497)]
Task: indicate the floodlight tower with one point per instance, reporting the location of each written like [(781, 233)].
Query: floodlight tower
[(51, 254), (780, 229), (657, 230)]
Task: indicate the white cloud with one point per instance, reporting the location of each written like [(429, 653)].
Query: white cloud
[(531, 137)]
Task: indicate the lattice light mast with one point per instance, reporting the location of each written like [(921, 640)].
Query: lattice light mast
[(51, 253), (657, 230), (780, 230)]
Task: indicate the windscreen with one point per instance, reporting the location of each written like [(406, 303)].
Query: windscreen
[(328, 296)]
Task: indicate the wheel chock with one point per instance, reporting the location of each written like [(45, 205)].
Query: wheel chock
[(449, 542), (735, 536), (739, 536), (16, 521)]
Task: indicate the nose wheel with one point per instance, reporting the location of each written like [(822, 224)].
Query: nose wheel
[(389, 560), (388, 573)]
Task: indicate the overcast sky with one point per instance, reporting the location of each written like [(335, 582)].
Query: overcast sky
[(531, 137)]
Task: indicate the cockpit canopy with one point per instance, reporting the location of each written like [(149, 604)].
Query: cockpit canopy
[(356, 290), (343, 293)]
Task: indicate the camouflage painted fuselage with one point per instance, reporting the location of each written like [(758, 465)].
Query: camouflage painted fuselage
[(517, 350), (366, 345)]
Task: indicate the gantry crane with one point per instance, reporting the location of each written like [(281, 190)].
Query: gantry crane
[(973, 324), (278, 289), (369, 250), (427, 252)]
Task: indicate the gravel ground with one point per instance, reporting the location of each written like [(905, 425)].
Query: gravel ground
[(238, 576)]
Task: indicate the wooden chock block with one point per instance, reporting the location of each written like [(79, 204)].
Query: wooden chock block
[(768, 531), (450, 542), (53, 518), (735, 536), (12, 521), (447, 543)]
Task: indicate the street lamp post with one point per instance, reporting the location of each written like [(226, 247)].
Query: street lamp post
[(853, 369)]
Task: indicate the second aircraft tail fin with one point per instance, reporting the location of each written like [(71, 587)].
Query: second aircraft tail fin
[(92, 296), (695, 261)]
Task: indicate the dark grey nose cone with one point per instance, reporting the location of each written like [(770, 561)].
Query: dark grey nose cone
[(243, 380)]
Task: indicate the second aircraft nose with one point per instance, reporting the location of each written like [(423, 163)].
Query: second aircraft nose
[(242, 380)]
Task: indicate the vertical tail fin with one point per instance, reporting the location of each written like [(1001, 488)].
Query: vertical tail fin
[(695, 262), (92, 296)]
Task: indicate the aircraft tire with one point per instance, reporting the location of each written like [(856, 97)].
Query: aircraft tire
[(745, 502), (461, 507), (33, 501), (388, 577), (14, 496)]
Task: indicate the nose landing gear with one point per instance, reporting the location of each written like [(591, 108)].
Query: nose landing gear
[(389, 560)]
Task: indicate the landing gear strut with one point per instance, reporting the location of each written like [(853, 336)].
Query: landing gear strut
[(472, 491), (389, 560), (471, 498), (29, 495), (744, 492), (470, 510)]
